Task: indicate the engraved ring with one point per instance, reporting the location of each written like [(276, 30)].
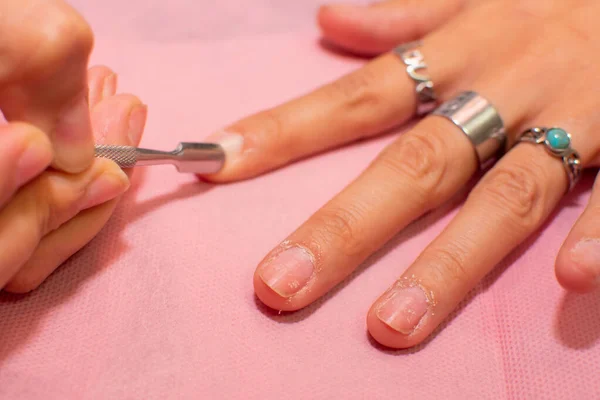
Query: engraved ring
[(412, 57), (480, 121), (558, 143)]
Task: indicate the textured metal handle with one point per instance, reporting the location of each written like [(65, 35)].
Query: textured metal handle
[(124, 156)]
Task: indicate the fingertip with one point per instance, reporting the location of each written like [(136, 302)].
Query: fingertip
[(120, 120), (233, 169), (387, 336), (351, 28), (269, 297), (367, 30), (102, 83), (576, 268), (27, 152)]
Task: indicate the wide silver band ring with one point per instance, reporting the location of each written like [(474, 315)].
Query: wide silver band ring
[(411, 56), (557, 142), (480, 121)]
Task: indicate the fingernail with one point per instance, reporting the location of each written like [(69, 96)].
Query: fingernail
[(73, 140), (34, 159), (404, 309), (104, 188), (109, 87), (586, 254), (289, 271), (137, 123), (231, 142)]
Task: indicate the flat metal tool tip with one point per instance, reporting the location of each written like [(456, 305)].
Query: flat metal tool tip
[(188, 157)]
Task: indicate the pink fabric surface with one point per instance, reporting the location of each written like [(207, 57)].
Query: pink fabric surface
[(160, 305)]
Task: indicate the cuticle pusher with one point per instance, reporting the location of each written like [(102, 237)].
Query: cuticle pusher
[(194, 158)]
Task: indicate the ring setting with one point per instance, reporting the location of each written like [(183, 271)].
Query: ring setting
[(415, 64), (557, 142)]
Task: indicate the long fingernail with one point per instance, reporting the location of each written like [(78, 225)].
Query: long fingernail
[(104, 188), (404, 309), (231, 142), (72, 139), (586, 253), (34, 159), (109, 86), (137, 123), (289, 271)]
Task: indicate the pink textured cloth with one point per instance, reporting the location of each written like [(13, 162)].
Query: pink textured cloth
[(160, 305)]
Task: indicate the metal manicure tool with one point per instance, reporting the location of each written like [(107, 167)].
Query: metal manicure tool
[(194, 158)]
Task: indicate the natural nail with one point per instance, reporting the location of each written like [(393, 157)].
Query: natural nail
[(137, 123), (232, 143), (104, 188), (586, 254), (109, 87), (404, 309), (289, 271)]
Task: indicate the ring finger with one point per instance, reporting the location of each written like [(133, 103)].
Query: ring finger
[(507, 206)]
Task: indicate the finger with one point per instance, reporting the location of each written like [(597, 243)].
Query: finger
[(116, 120), (512, 200), (48, 202), (578, 261), (417, 173), (120, 119), (510, 203), (377, 28), (102, 83), (26, 152), (376, 98), (361, 104), (43, 78)]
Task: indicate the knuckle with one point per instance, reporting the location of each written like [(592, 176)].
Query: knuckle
[(274, 126), (356, 90), (340, 228), (271, 129), (448, 263), (419, 157), (516, 189)]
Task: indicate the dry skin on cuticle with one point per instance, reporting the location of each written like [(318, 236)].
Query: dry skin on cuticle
[(286, 245), (404, 283)]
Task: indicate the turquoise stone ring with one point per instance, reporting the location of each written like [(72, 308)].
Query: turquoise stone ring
[(558, 143), (558, 139)]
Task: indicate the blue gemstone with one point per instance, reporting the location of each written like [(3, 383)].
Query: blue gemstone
[(558, 139)]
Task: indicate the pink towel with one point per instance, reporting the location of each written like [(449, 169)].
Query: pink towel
[(160, 305)]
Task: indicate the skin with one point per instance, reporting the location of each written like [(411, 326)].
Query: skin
[(57, 108), (522, 62), (54, 195)]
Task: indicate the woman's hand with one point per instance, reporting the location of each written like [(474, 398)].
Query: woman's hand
[(54, 107), (535, 60)]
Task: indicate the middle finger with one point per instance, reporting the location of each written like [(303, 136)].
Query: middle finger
[(417, 173)]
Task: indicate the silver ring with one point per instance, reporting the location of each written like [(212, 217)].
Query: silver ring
[(558, 143), (415, 63), (480, 121)]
